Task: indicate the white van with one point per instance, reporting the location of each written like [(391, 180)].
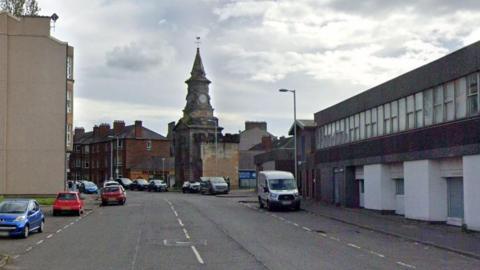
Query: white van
[(277, 189)]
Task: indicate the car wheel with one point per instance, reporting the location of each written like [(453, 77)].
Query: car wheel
[(104, 203), (26, 231), (42, 227), (297, 207), (260, 203), (269, 206), (55, 213), (79, 212)]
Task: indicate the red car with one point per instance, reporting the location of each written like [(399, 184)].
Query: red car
[(115, 194), (68, 202)]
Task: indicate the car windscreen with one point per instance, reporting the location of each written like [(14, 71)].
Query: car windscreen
[(157, 182), (111, 189), (12, 207), (126, 181), (217, 180), (142, 181), (282, 184), (89, 184), (67, 197)]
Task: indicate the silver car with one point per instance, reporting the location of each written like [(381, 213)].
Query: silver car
[(213, 185)]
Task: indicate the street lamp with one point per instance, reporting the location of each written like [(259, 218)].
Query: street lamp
[(111, 157), (295, 126), (216, 145)]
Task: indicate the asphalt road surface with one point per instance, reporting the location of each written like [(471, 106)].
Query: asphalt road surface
[(191, 231)]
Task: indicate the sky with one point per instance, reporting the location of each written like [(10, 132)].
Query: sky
[(133, 57)]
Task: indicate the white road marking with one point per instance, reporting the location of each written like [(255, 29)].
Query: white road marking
[(323, 234), (281, 218), (66, 226), (406, 265), (28, 249), (306, 229), (39, 242), (334, 238), (59, 230), (134, 260), (175, 212), (180, 222), (295, 224), (199, 258), (71, 223), (377, 254), (353, 245), (15, 257), (186, 233), (49, 236)]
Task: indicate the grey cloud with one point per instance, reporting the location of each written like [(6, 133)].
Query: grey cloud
[(132, 57)]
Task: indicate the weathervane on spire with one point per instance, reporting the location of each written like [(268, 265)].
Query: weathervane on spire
[(197, 42)]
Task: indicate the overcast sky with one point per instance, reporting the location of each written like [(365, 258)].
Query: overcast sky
[(132, 57)]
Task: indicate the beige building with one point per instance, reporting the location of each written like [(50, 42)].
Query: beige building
[(36, 106)]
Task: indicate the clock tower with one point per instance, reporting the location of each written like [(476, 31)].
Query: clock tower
[(197, 126)]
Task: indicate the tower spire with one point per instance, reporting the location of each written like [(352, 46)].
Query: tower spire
[(198, 71)]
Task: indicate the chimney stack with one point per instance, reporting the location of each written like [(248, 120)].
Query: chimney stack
[(118, 127), (138, 129), (259, 125), (95, 131), (103, 130), (267, 143), (79, 131)]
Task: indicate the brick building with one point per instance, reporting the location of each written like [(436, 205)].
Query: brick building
[(277, 154), (121, 151)]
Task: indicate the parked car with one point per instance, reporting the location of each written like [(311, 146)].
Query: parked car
[(19, 217), (191, 187), (124, 182), (157, 185), (110, 183), (68, 202), (277, 189), (139, 184), (213, 185), (88, 187), (113, 194)]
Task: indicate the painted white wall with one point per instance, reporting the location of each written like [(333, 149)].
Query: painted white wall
[(396, 170), (471, 191), (451, 167), (425, 191), (359, 172), (379, 188)]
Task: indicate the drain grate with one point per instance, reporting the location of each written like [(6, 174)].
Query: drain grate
[(319, 231)]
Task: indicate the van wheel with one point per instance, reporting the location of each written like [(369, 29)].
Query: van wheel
[(297, 207), (260, 203), (269, 206)]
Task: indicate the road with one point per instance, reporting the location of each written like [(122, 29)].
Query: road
[(191, 231)]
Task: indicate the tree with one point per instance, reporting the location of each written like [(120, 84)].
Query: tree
[(20, 7)]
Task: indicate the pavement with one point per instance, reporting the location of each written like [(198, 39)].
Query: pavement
[(193, 231)]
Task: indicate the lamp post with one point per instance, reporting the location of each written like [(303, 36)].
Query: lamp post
[(294, 128), (216, 145)]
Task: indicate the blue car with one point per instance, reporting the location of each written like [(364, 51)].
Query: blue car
[(89, 187), (19, 217)]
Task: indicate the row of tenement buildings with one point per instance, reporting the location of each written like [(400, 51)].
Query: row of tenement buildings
[(409, 146)]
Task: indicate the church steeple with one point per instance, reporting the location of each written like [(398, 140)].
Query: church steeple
[(198, 71)]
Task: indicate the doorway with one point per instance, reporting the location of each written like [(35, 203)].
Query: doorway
[(455, 201)]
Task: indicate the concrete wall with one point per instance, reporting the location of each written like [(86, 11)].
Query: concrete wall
[(251, 137), (471, 191), (33, 146), (425, 191)]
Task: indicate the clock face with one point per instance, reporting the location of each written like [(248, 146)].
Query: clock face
[(202, 98)]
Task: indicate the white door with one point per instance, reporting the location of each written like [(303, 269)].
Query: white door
[(455, 201), (361, 191)]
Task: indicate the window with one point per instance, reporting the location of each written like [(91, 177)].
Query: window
[(428, 107), (419, 110), (77, 148), (460, 98), (69, 135), (78, 163), (449, 93), (399, 187), (410, 112), (119, 144), (69, 101), (86, 164), (368, 124), (402, 114), (438, 105), (70, 68), (351, 126), (472, 95), (380, 120), (394, 114), (374, 122), (387, 122), (86, 149), (149, 144), (362, 125), (347, 130), (357, 126)]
